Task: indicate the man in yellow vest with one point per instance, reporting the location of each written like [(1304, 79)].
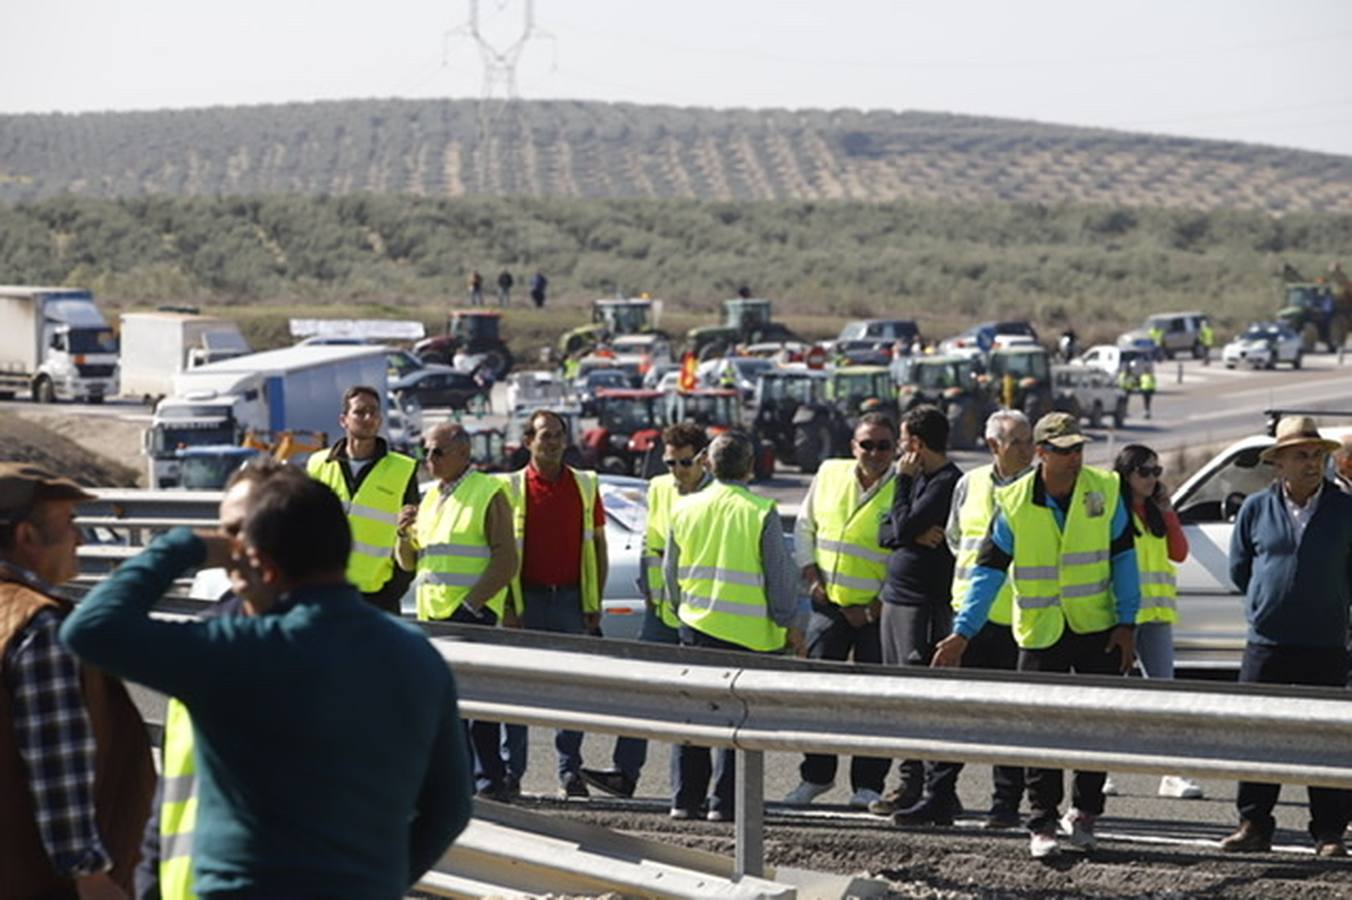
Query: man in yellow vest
[(1148, 386), (1010, 439), (374, 485), (560, 525), (1206, 337), (459, 541), (683, 446), (1066, 532), (729, 574), (838, 555)]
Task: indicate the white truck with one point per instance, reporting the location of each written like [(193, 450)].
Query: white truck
[(156, 346), (196, 436), (55, 345)]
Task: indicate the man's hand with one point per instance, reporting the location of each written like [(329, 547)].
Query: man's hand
[(407, 516), (931, 537), (797, 642), (510, 617), (98, 886), (909, 464), (948, 652), (220, 549), (1123, 640), (591, 621), (857, 616)]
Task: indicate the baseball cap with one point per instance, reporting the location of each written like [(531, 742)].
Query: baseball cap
[(22, 485), (1060, 430)]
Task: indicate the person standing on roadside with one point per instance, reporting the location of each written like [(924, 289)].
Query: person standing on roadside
[(683, 454), (374, 484), (476, 288), (459, 541), (730, 577), (1148, 385), (916, 604), (843, 565), (76, 776), (538, 285), (1291, 555), (505, 282), (1065, 530), (1009, 436), (1160, 546), (330, 757), (559, 522)]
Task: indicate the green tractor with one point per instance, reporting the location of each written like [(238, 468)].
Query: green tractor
[(1020, 377), (951, 384), (822, 430), (780, 395), (610, 319), (745, 321), (473, 332), (1320, 311)]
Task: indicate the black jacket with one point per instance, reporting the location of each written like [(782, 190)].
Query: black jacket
[(918, 575)]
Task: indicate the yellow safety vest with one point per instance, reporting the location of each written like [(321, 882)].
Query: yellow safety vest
[(1159, 577), (718, 534), (373, 514), (662, 494), (1148, 382), (587, 486), (1126, 381), (852, 563), (974, 520), (178, 804), (453, 549), (1061, 577)]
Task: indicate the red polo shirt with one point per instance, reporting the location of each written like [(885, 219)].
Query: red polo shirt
[(553, 547)]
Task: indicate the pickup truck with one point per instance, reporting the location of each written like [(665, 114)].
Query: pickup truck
[(1209, 636)]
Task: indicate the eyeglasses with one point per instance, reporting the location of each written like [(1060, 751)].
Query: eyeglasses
[(1150, 471), (434, 452), (683, 463), (1064, 451), (875, 446)]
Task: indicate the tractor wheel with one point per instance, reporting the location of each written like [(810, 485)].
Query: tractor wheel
[(44, 391), (765, 461), (613, 465), (1338, 334), (1309, 337), (499, 359), (808, 446)]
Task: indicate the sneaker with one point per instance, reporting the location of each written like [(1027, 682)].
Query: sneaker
[(1001, 820), (497, 793), (864, 798), (1334, 849), (895, 799), (681, 813), (1109, 788), (512, 786), (1079, 828), (718, 815), (1180, 787), (610, 781), (1042, 844), (928, 811), (806, 792), (573, 786), (1248, 839)]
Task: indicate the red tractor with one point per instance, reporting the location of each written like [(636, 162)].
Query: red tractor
[(470, 333), (627, 439)]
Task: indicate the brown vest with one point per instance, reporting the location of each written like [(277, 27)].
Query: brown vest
[(124, 775)]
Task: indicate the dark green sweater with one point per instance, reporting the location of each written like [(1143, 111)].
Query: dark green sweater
[(331, 759)]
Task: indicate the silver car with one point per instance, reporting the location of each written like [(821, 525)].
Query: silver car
[(1262, 346)]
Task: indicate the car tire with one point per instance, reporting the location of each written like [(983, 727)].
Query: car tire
[(1271, 362), (1229, 365), (1096, 414), (1120, 413), (44, 391)]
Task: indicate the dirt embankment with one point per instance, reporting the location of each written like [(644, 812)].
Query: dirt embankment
[(91, 451)]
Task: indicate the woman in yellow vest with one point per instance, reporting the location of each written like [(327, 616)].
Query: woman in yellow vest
[(1160, 544)]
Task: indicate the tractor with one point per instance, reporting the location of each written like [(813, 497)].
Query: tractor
[(611, 319), (469, 333), (1020, 377), (718, 410), (823, 429), (949, 383), (628, 432), (780, 394), (745, 321), (1320, 311)]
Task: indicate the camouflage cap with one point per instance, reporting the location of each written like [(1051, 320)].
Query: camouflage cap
[(1060, 430), (23, 485)]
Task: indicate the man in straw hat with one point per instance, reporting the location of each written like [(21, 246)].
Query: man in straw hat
[(1291, 554), (76, 777)]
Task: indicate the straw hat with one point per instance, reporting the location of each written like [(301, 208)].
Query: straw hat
[(1292, 431)]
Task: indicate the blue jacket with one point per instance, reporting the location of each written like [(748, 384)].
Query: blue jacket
[(331, 759), (1294, 596)]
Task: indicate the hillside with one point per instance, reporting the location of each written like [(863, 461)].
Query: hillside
[(565, 149)]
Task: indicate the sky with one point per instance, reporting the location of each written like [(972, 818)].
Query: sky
[(1260, 71)]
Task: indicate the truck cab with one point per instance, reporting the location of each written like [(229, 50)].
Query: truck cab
[(55, 345)]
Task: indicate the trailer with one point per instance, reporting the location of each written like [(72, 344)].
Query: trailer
[(156, 346)]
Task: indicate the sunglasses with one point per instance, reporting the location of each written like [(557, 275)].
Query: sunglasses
[(1064, 451), (683, 463), (875, 446), (1150, 471), (434, 452)]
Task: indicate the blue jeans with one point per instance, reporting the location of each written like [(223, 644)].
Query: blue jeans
[(1155, 649), (630, 752), (558, 610)]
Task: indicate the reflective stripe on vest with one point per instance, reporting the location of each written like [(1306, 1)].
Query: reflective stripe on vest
[(1061, 577), (453, 546), (662, 493), (178, 804), (587, 486), (974, 520), (1159, 578), (373, 514), (852, 563), (718, 534)]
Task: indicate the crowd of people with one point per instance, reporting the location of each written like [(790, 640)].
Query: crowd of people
[(538, 287), (312, 744)]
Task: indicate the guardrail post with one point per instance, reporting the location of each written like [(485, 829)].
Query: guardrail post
[(749, 828), (1180, 372)]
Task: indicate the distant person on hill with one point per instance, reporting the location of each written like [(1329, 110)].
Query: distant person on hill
[(744, 292), (505, 282), (476, 288), (538, 284)]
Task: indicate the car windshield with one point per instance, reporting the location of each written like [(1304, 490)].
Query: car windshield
[(92, 340), (942, 376), (853, 331), (750, 367), (795, 389), (402, 363), (1260, 332), (608, 378)]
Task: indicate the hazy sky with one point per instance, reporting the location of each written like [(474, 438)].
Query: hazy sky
[(1270, 72)]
